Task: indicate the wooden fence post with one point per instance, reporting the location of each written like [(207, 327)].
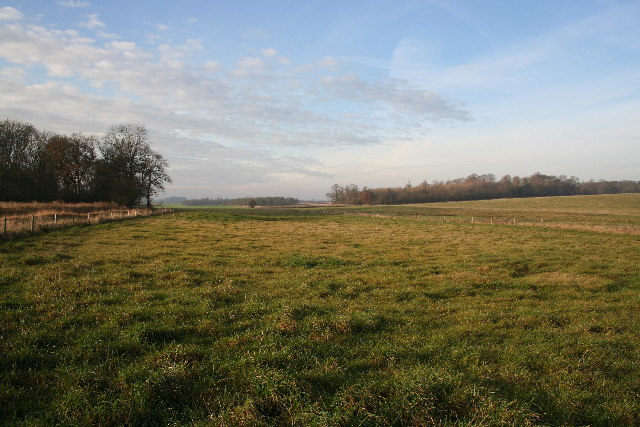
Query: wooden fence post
[(55, 218), (4, 226), (33, 222)]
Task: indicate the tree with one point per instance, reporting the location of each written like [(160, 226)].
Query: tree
[(351, 194), (154, 175), (73, 163), (25, 172), (366, 196), (129, 170), (336, 194)]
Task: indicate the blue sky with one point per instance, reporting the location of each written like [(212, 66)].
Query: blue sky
[(289, 97)]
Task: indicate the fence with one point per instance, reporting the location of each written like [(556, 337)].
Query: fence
[(11, 226)]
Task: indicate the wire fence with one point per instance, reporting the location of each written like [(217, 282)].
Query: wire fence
[(11, 226)]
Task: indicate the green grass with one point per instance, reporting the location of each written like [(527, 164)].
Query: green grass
[(303, 317)]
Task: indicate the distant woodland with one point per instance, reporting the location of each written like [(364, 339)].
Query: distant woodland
[(243, 201), (43, 166), (478, 187)]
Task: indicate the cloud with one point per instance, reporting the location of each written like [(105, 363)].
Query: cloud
[(250, 67), (254, 103), (73, 3), (273, 55), (59, 70), (174, 56), (233, 121), (8, 13), (328, 62), (93, 22), (211, 66), (251, 63), (255, 33), (193, 44), (269, 53), (13, 73), (104, 35), (422, 104)]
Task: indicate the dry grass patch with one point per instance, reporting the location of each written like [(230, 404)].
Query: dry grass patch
[(12, 209)]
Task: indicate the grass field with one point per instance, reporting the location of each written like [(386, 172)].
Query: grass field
[(303, 317)]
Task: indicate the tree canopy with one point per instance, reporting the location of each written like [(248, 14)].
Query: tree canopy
[(478, 187), (40, 166)]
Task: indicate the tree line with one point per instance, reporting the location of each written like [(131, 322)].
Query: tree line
[(478, 187), (43, 166), (243, 201)]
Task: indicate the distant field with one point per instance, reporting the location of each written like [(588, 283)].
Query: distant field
[(611, 212), (604, 204), (328, 316)]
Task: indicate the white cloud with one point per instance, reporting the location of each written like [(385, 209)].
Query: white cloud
[(9, 13), (251, 63), (73, 3), (162, 27), (328, 62), (255, 33), (110, 36), (269, 53), (123, 46), (93, 22), (253, 104), (193, 44), (59, 70), (274, 55), (13, 73), (237, 118), (212, 66), (421, 104)]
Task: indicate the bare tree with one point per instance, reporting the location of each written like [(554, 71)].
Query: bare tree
[(154, 175), (130, 170)]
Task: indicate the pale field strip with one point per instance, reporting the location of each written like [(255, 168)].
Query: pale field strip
[(602, 227)]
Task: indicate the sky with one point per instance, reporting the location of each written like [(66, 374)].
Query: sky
[(286, 98)]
